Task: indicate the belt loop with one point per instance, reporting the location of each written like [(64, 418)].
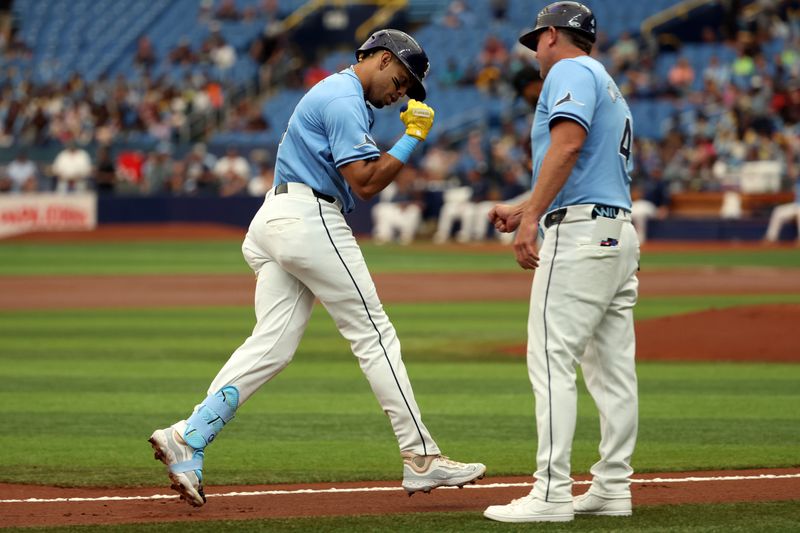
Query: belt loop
[(283, 188)]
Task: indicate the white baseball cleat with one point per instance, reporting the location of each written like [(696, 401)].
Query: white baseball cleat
[(592, 504), (531, 509), (184, 464), (426, 472)]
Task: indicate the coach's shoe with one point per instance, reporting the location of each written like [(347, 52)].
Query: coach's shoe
[(592, 504), (530, 509), (426, 472), (184, 463)]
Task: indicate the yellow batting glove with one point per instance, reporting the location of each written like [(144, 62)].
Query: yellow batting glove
[(418, 119)]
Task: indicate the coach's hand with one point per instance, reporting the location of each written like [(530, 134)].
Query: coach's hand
[(418, 119)]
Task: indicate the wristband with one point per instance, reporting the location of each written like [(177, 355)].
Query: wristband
[(403, 147)]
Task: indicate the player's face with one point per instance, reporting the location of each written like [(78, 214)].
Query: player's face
[(391, 82)]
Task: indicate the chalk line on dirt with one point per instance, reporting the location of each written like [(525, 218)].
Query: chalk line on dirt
[(332, 490)]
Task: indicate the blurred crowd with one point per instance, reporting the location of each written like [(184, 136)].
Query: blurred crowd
[(135, 173), (746, 109)]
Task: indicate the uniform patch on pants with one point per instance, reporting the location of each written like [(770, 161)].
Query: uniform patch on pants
[(606, 231)]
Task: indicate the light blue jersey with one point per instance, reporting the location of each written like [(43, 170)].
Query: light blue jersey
[(329, 127), (580, 89)]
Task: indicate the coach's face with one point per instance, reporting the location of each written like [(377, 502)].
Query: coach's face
[(544, 50), (390, 82)]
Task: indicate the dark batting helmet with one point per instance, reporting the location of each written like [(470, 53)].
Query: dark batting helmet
[(407, 50), (568, 15)]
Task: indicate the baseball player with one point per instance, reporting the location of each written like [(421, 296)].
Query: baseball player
[(585, 287), (301, 248)]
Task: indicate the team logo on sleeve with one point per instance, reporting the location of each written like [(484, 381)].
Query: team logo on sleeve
[(567, 99), (367, 142)]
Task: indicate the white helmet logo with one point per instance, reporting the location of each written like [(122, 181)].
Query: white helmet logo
[(574, 22)]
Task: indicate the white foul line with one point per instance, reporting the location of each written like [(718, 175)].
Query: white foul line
[(334, 490)]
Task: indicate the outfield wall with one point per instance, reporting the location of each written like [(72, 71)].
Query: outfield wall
[(239, 210)]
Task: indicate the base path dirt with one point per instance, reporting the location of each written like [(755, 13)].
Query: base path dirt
[(755, 333), (120, 506), (67, 292)]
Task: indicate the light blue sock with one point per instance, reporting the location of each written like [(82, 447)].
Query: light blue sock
[(216, 410)]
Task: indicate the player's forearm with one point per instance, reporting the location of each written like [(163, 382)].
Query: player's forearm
[(368, 178), (556, 167)]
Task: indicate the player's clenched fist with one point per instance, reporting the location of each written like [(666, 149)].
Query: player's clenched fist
[(418, 119)]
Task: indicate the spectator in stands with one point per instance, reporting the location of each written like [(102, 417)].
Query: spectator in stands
[(175, 184), (499, 9), (246, 117), (624, 52), (221, 53), (398, 213), (22, 173), (72, 168), (717, 72), (527, 84), (145, 54), (790, 109), (105, 175), (5, 181), (205, 183), (641, 81), (232, 167), (742, 68), (314, 74), (452, 75), (457, 16), (681, 77), (262, 181), (492, 63), (182, 54), (270, 10), (227, 11), (129, 172), (157, 170)]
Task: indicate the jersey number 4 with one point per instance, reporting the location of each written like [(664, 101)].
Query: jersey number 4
[(627, 139)]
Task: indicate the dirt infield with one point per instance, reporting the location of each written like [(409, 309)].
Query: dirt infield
[(116, 506), (720, 334)]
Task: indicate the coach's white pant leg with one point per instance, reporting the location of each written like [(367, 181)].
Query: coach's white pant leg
[(571, 289), (283, 307), (609, 371), (332, 266)]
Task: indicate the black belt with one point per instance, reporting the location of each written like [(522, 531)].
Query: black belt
[(283, 188), (599, 210)]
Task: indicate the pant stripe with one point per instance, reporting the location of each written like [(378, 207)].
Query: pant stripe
[(380, 340), (547, 359)]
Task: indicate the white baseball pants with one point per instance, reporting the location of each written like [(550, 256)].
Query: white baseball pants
[(581, 311), (389, 217), (300, 247), (782, 214)]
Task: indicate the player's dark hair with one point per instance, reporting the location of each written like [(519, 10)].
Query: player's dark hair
[(578, 39)]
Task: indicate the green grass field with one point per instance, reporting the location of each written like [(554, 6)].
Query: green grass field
[(211, 257), (102, 380)]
